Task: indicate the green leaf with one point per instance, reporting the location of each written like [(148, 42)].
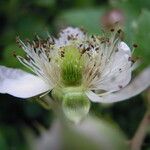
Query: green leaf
[(3, 144), (88, 19), (134, 6), (142, 37), (45, 3), (9, 59), (28, 26)]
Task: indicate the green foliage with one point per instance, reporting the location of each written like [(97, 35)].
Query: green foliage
[(88, 19), (3, 144), (8, 56), (142, 36)]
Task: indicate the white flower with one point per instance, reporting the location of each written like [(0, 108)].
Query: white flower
[(100, 66)]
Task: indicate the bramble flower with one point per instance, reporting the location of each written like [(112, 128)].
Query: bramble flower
[(75, 69)]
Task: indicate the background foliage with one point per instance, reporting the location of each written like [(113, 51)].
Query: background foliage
[(27, 18)]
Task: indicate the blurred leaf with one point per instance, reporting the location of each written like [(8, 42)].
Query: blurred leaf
[(8, 37), (45, 3), (142, 37), (88, 19), (3, 144), (12, 139), (84, 3), (9, 59), (28, 26), (134, 6)]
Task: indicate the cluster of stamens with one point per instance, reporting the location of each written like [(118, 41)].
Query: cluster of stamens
[(43, 56)]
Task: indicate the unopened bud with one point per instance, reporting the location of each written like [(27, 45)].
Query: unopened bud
[(112, 18)]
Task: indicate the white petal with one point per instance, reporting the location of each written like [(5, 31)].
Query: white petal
[(67, 34), (94, 97), (124, 47), (138, 85), (21, 84), (117, 73)]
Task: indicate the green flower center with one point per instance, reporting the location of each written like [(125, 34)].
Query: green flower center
[(71, 66)]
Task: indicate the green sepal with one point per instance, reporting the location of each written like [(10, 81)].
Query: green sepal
[(75, 106)]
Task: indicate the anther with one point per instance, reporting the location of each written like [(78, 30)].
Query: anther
[(14, 54), (62, 53), (119, 31), (97, 48), (112, 30), (120, 70), (135, 45)]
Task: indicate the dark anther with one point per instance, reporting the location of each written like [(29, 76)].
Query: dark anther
[(83, 51), (97, 48), (44, 46), (92, 45), (112, 30), (92, 36), (27, 58), (119, 31), (62, 53), (88, 48), (102, 42), (131, 59), (80, 45), (135, 45), (14, 54), (69, 37)]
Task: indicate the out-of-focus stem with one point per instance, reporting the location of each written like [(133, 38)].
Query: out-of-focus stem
[(137, 140), (55, 106)]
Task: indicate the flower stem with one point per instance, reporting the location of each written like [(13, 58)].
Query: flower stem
[(137, 140), (55, 107)]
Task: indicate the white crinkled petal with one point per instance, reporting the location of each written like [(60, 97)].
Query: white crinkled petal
[(67, 34), (117, 73), (139, 84), (21, 84)]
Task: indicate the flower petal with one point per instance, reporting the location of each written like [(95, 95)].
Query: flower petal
[(117, 73), (138, 85), (124, 47), (21, 84), (67, 35)]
